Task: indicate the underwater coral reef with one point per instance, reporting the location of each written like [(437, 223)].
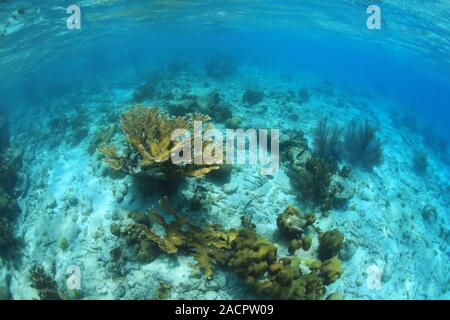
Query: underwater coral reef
[(95, 190)]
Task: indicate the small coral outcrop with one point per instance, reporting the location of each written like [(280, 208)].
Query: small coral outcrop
[(331, 270), (44, 284), (319, 182), (251, 255), (222, 174), (217, 108), (329, 267), (330, 242), (293, 147), (153, 87), (148, 132), (292, 225), (252, 97), (315, 180), (291, 284), (183, 104), (163, 291), (255, 260), (213, 105)]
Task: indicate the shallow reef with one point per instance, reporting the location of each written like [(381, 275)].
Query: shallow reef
[(242, 250), (91, 172), (256, 260)]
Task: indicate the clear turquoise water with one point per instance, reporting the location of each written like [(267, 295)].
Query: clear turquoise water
[(407, 58), (403, 68)]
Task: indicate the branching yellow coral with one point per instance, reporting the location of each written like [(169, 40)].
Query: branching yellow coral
[(112, 157), (149, 135), (248, 254), (205, 243)]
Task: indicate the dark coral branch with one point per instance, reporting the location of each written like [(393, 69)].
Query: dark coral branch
[(362, 146), (327, 142)]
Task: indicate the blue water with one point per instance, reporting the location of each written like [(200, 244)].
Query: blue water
[(401, 71)]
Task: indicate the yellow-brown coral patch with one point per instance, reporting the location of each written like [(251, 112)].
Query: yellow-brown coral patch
[(149, 134)]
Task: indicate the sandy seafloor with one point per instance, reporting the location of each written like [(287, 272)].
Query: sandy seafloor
[(67, 193)]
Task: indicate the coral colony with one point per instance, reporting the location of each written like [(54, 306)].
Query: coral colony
[(176, 171), (160, 139), (214, 152)]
